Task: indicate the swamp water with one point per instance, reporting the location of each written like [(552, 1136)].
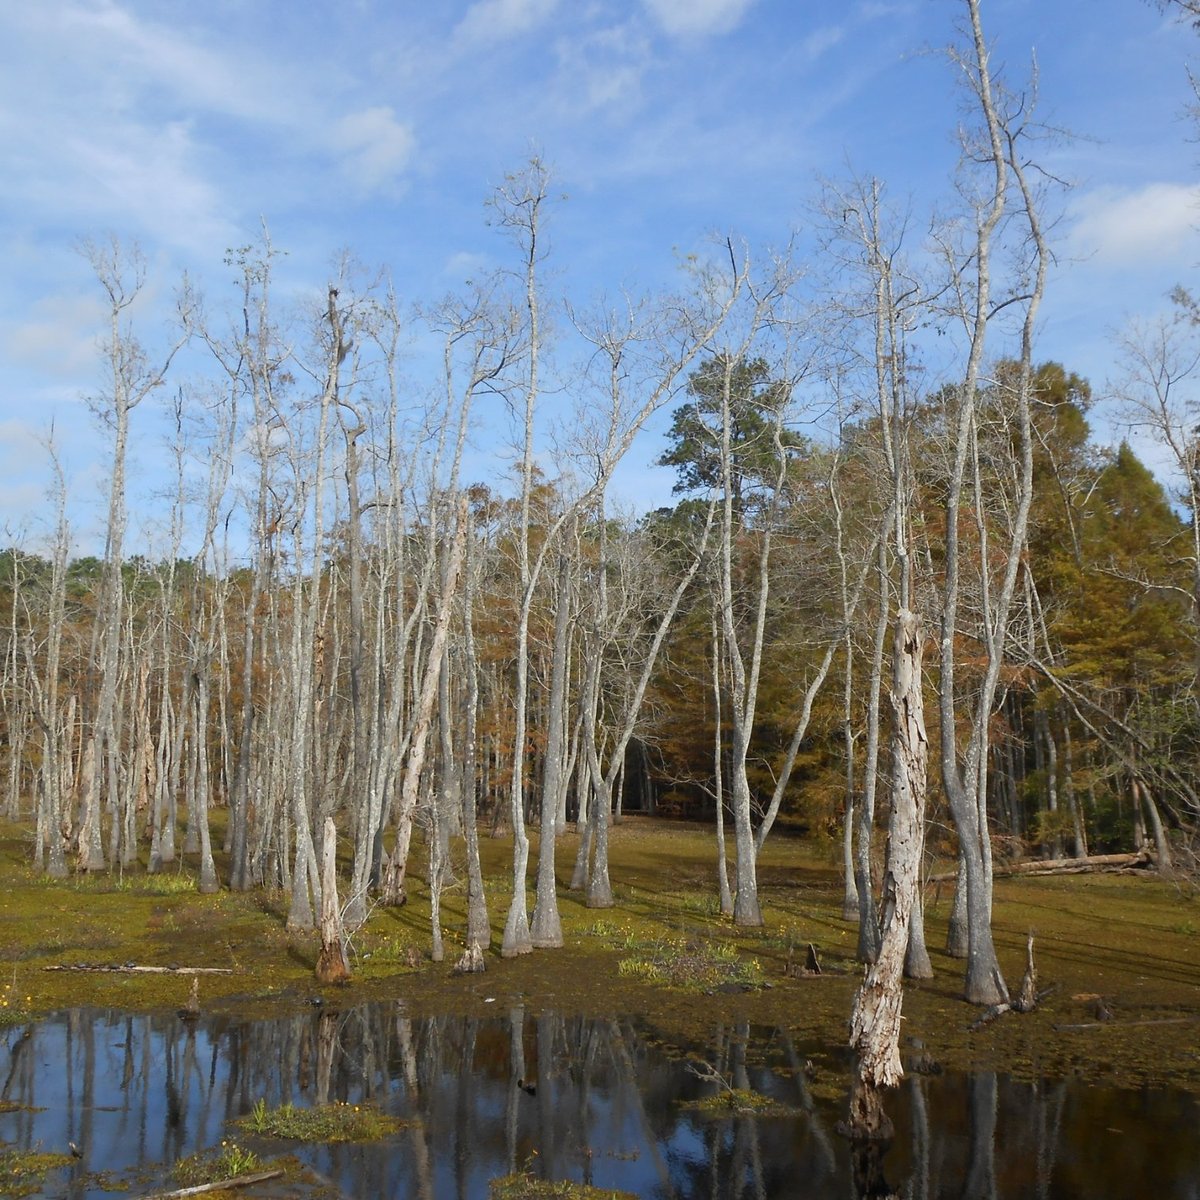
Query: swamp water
[(606, 1102)]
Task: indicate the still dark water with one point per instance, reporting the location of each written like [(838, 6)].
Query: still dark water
[(600, 1101)]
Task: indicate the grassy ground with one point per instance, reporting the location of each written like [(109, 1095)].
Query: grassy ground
[(1126, 944)]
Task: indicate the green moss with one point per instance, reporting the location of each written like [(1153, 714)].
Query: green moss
[(323, 1123)]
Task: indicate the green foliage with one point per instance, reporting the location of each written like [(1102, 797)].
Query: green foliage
[(1047, 828), (14, 1008), (755, 400)]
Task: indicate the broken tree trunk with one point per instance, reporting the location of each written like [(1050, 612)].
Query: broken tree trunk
[(332, 964), (1026, 1000), (1027, 994)]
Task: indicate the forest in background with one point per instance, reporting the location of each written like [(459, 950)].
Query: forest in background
[(347, 628)]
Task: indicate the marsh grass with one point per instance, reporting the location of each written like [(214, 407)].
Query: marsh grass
[(325, 1123)]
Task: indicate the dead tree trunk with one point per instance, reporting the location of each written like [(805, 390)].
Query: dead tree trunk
[(875, 1021), (332, 963)]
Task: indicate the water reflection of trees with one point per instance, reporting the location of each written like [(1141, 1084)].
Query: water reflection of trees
[(599, 1100)]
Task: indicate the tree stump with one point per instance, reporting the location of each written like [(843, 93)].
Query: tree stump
[(332, 964), (1026, 1000), (472, 961)]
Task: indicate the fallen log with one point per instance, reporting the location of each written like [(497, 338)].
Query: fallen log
[(1126, 1024), (133, 968), (1143, 860), (219, 1185)]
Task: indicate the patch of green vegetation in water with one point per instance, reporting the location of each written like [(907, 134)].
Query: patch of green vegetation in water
[(691, 964), (324, 1123), (521, 1186), (740, 1102), (230, 1161), (22, 1172)]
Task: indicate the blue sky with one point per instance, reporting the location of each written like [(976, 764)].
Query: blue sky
[(380, 127)]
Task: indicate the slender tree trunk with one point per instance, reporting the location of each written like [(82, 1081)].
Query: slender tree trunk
[(479, 930), (1073, 805), (868, 921), (724, 894), (546, 930), (850, 899), (423, 717)]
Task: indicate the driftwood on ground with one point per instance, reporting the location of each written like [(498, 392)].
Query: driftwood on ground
[(1126, 1024)]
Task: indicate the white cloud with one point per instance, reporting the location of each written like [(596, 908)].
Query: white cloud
[(374, 147), (494, 20), (696, 18), (1123, 226)]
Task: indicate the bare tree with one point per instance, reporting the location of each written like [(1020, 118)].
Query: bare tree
[(132, 377), (1004, 187)]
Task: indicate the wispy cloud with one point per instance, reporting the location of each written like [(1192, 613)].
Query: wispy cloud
[(375, 147), (821, 40), (602, 68), (1122, 226)]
